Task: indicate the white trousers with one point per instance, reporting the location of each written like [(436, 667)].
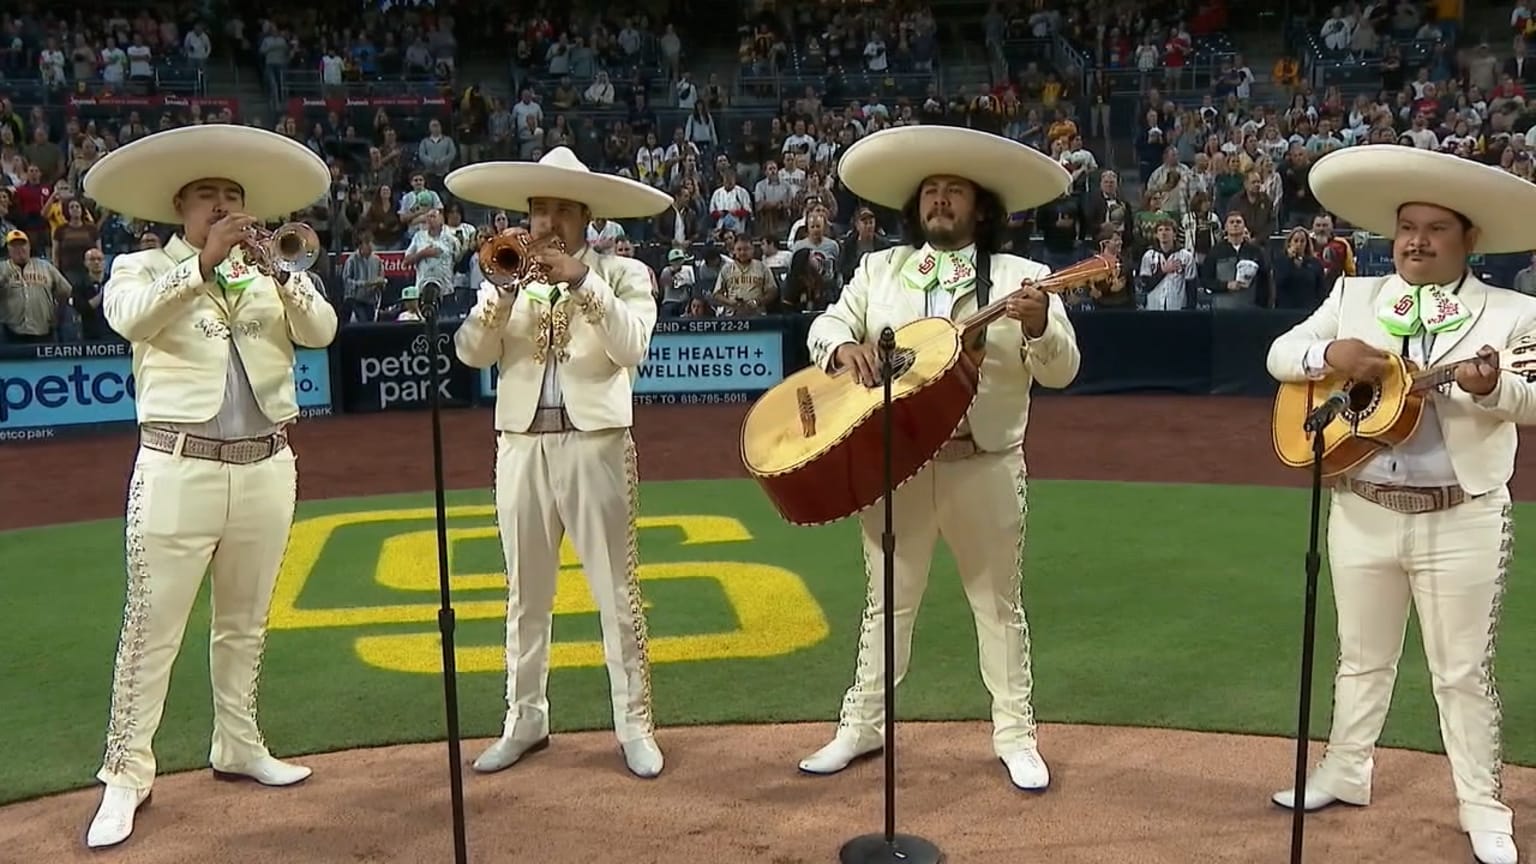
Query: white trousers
[(978, 506), (185, 516), (585, 484), (1451, 566)]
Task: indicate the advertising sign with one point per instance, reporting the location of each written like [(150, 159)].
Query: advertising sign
[(77, 387), (387, 367), (701, 361)]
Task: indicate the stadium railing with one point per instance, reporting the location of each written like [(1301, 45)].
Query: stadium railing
[(1350, 71), (308, 83)]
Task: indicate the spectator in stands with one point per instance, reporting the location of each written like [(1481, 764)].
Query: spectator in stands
[(362, 280), (31, 290), (1235, 274), (864, 238), (745, 286), (1298, 273), (1165, 270), (410, 300), (436, 154), (824, 249), (417, 204), (730, 207), (676, 282), (86, 297), (772, 202), (71, 239), (1335, 254), (806, 287), (603, 233), (432, 252)]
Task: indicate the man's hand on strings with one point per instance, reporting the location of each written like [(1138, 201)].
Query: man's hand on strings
[(1029, 307), (1479, 375)]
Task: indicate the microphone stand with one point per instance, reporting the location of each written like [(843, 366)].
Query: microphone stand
[(1314, 424), (431, 298), (889, 847)]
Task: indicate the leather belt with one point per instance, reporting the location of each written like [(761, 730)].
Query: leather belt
[(955, 449), (1409, 499), (237, 451), (547, 421)]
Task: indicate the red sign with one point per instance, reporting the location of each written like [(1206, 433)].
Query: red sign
[(147, 102), (399, 273), (429, 103)]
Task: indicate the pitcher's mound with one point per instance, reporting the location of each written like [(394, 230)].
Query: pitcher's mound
[(733, 795)]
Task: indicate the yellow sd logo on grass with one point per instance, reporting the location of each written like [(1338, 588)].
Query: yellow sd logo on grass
[(775, 611)]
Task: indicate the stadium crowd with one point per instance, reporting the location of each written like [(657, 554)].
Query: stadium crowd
[(1212, 172)]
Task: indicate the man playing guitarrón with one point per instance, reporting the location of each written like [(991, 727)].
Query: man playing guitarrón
[(1426, 523), (955, 188)]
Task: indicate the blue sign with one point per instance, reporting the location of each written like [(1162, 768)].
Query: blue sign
[(58, 390), (740, 361)]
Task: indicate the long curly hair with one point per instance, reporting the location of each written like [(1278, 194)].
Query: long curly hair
[(991, 221)]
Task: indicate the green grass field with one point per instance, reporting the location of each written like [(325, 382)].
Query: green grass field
[(1171, 606)]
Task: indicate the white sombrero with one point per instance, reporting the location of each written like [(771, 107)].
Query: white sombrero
[(510, 185), (279, 175), (1368, 184), (888, 166)]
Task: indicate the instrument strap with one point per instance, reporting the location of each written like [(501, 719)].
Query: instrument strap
[(983, 289)]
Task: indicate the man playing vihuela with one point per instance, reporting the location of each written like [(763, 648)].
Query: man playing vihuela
[(213, 328), (954, 188), (568, 351), (1428, 523)]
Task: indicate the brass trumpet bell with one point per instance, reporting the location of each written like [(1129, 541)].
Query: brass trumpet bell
[(507, 260), (293, 248)]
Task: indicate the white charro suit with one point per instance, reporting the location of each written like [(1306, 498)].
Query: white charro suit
[(976, 502), (1450, 563), (194, 347), (566, 463)]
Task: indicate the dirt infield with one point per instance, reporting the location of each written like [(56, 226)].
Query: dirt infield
[(1150, 438), (732, 795)]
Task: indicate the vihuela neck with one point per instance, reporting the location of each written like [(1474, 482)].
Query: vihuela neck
[(1434, 377)]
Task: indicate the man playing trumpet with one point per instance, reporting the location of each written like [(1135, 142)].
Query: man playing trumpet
[(213, 326), (568, 340)]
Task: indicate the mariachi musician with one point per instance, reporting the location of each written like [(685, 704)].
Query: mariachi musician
[(955, 188), (567, 333), (1427, 524), (213, 321)]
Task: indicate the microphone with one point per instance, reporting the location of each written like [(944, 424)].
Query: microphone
[(430, 296), (1323, 414)]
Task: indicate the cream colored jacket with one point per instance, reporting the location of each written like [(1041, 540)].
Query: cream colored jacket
[(876, 298), (1479, 432), (600, 335), (181, 329)]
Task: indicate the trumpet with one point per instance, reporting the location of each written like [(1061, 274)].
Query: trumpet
[(293, 248), (507, 260)]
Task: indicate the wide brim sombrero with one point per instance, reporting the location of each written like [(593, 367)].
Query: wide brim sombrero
[(887, 167), (510, 186), (279, 175), (1368, 184)]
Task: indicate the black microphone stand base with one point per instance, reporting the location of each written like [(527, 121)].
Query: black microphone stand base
[(897, 849)]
